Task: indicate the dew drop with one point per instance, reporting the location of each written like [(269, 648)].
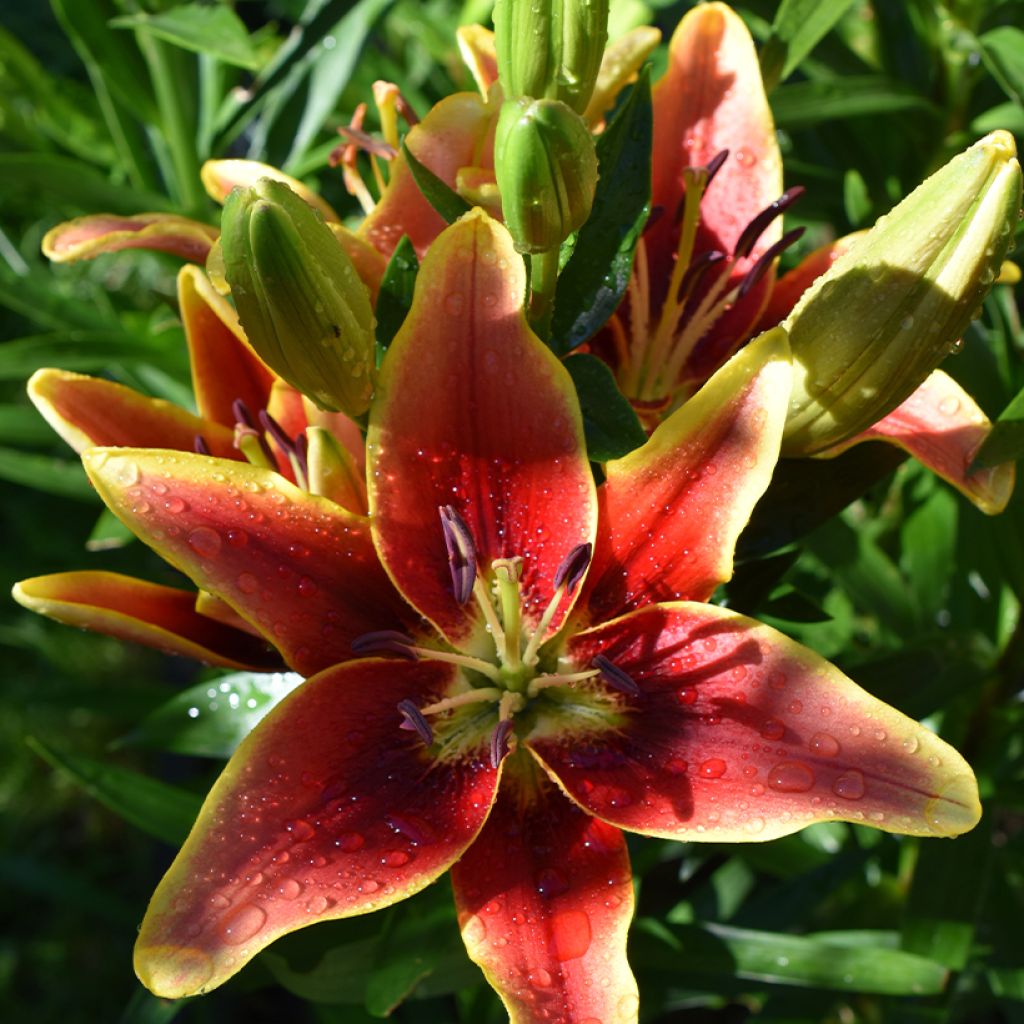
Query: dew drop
[(849, 785), (687, 695), (349, 842), (317, 905), (300, 830), (791, 777), (571, 933), (824, 744), (204, 541), (289, 889), (242, 924), (713, 768), (175, 505), (540, 978), (247, 583), (395, 858), (773, 729), (911, 744)]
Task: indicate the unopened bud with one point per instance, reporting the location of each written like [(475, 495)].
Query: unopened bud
[(298, 296), (546, 168), (550, 48), (872, 328)]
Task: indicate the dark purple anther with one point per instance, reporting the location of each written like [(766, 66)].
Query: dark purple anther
[(302, 453), (714, 165), (384, 641), (414, 720), (499, 741), (199, 445), (242, 414), (753, 231), (760, 268), (461, 552), (276, 431), (615, 677), (696, 270), (573, 566)]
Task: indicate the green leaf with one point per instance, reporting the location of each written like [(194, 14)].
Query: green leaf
[(211, 718), (856, 199), (82, 351), (610, 424), (792, 606), (108, 533), (55, 476), (214, 30), (803, 104), (22, 424), (796, 30), (395, 298), (1003, 50), (157, 808), (837, 961), (1005, 442), (146, 1008), (448, 203), (596, 276), (928, 544)]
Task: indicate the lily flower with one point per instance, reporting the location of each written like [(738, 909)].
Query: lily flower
[(508, 667)]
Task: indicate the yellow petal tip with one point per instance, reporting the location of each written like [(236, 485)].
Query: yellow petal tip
[(955, 808), (173, 972)]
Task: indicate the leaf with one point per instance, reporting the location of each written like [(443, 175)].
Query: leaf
[(146, 1008), (1003, 50), (792, 606), (395, 297), (1005, 442), (833, 961), (155, 807), (928, 544), (448, 203), (803, 104), (796, 30), (610, 424), (210, 719), (214, 30), (596, 276), (81, 351), (22, 424), (108, 533), (44, 473)]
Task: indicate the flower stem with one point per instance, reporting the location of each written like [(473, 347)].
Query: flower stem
[(543, 279)]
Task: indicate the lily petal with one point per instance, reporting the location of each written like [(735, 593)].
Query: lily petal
[(741, 734), (544, 899), (476, 47), (328, 809), (219, 177), (457, 132), (144, 613), (87, 237), (474, 411), (623, 58), (943, 428), (671, 511), (88, 411), (299, 568), (224, 367), (370, 264)]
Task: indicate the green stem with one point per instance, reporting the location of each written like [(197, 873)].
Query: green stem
[(543, 279)]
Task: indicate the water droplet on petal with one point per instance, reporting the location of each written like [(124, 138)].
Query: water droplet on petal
[(571, 933), (713, 768), (540, 978), (824, 744), (849, 785), (349, 842), (204, 541), (242, 924), (791, 777), (773, 729), (289, 889), (394, 858)]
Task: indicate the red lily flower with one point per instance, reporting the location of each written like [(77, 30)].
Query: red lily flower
[(517, 731)]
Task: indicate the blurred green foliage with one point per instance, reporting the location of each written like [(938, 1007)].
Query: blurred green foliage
[(113, 105)]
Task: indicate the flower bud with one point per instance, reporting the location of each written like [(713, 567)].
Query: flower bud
[(870, 330), (298, 296), (546, 168), (550, 48)]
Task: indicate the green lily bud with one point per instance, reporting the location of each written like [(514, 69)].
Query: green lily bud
[(869, 331), (546, 169), (550, 48), (299, 298)]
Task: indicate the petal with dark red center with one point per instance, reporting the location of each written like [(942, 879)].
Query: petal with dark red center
[(791, 286), (710, 99), (741, 734), (327, 810), (144, 613), (88, 411), (224, 367), (670, 512), (474, 411), (221, 176), (299, 568), (456, 133), (544, 899), (943, 428), (87, 237)]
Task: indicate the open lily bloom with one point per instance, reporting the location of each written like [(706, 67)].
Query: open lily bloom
[(508, 667)]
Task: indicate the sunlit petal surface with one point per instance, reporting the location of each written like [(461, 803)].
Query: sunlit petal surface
[(87, 237)]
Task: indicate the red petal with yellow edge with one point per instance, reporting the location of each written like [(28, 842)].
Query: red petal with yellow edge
[(478, 53), (87, 237), (458, 132), (544, 898), (224, 367), (741, 734), (219, 177), (791, 286), (144, 613), (327, 810), (710, 99), (474, 411), (299, 568), (220, 611), (88, 411), (671, 511), (943, 428)]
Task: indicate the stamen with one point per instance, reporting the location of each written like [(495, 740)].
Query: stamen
[(564, 679), (276, 431), (508, 572), (413, 720), (573, 566), (479, 696), (753, 231), (461, 553), (388, 640), (242, 414), (714, 165), (249, 440), (615, 677), (199, 445), (499, 741), (760, 268), (299, 459), (366, 142), (695, 271)]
